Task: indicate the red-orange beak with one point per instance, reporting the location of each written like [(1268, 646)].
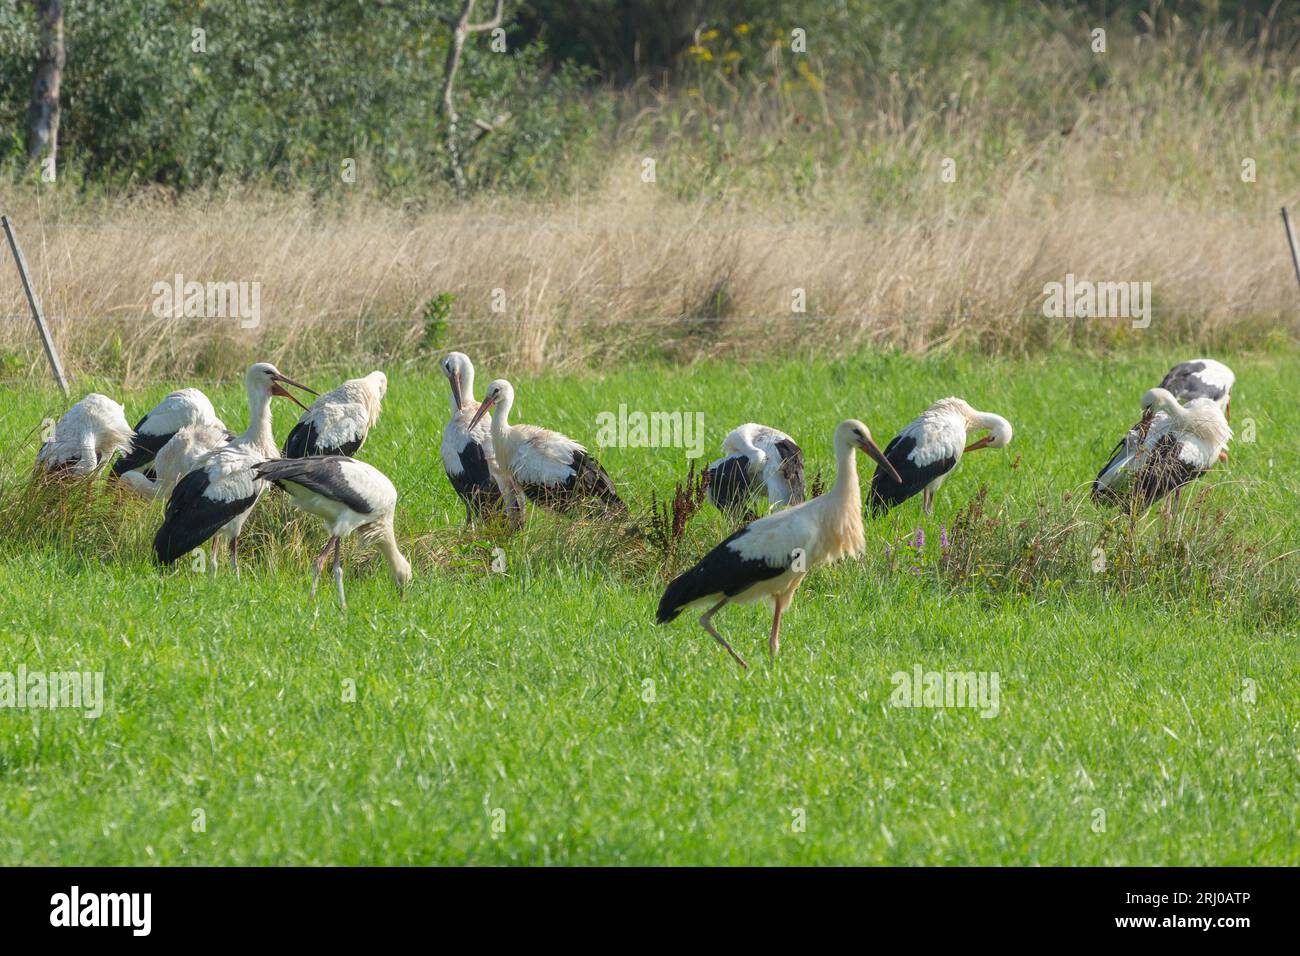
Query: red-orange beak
[(278, 389), (455, 391), (878, 456), (977, 445), (482, 410)]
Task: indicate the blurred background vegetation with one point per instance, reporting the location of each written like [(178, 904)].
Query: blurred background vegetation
[(797, 144), (286, 89)]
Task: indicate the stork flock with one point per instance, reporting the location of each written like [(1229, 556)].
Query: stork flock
[(212, 478)]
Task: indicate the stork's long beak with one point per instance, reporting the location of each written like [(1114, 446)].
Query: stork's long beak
[(1223, 455), (874, 451), (482, 410), (977, 445), (455, 391), (278, 389)]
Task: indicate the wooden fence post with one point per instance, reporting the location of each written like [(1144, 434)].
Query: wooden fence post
[(51, 352)]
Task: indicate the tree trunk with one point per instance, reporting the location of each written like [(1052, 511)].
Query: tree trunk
[(43, 125)]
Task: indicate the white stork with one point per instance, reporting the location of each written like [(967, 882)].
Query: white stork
[(546, 467), (337, 423), (1179, 445), (929, 448), (467, 453), (89, 433), (769, 557), (347, 495), (754, 455), (1186, 381), (219, 493), (180, 409)]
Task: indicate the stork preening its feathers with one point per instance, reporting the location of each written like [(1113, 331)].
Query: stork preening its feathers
[(1177, 445), (543, 466), (219, 493), (1186, 381), (467, 453), (183, 408), (928, 449), (753, 457), (770, 557), (338, 422), (347, 495), (88, 434)]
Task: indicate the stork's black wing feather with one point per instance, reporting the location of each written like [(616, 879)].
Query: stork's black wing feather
[(144, 448), (886, 493), (191, 518), (721, 571), (301, 441), (730, 487), (475, 483), (322, 474), (589, 483)]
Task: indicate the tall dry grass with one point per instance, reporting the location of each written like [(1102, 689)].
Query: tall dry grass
[(1134, 178)]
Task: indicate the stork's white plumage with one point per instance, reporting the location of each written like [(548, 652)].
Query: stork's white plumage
[(180, 409), (176, 459), (543, 466), (219, 493), (88, 434), (338, 422), (467, 453), (1186, 381), (1180, 444), (929, 447), (768, 558), (756, 456), (347, 495)]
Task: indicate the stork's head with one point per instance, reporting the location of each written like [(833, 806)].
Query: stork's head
[(264, 378), (1158, 400), (499, 394), (460, 373), (851, 433), (378, 382), (999, 435)]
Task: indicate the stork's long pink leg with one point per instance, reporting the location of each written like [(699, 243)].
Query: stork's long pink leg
[(319, 565), (774, 642), (706, 621)]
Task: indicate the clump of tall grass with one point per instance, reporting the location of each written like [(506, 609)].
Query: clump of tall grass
[(1196, 554)]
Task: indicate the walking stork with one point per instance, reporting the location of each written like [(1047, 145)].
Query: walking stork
[(89, 433), (467, 454), (1186, 381), (347, 495), (543, 466), (1179, 445), (928, 448), (219, 493), (179, 409), (754, 455), (337, 423), (768, 558)]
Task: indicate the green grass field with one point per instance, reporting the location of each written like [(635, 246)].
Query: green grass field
[(538, 716)]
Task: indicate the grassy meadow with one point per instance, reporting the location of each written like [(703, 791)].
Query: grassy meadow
[(1147, 711)]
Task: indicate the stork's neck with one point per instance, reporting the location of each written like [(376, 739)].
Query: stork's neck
[(501, 419), (259, 433), (845, 488)]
